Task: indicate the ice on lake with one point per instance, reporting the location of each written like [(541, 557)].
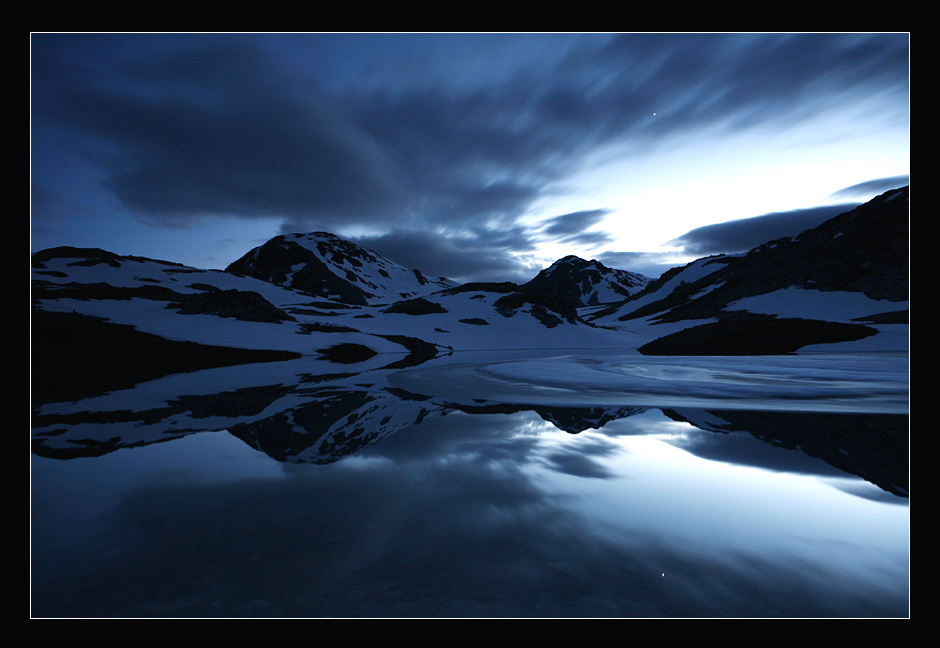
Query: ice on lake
[(825, 383)]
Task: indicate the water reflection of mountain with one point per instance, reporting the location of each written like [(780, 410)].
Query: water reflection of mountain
[(320, 419), (333, 423), (295, 416), (872, 446)]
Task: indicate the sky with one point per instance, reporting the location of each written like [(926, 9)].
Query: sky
[(474, 156)]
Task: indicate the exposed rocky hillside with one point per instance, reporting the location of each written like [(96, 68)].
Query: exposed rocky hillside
[(323, 265), (130, 319), (845, 281), (587, 283), (740, 304)]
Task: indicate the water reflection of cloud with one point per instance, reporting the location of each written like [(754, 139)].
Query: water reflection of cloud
[(579, 455), (745, 450), (485, 436), (860, 489), (492, 441), (578, 465), (479, 514), (461, 516)]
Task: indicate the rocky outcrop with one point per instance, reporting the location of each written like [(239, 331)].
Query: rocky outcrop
[(754, 335), (243, 305), (418, 306), (550, 311), (324, 265), (586, 283)]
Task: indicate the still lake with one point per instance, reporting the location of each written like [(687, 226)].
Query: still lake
[(276, 491)]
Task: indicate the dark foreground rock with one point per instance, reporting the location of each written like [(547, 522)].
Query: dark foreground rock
[(346, 353), (77, 356), (418, 306), (245, 305), (756, 335)]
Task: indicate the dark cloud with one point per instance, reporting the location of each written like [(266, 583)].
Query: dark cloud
[(745, 234), (479, 256), (872, 188), (216, 125), (218, 131), (607, 89), (579, 466), (440, 141), (46, 202), (571, 228), (581, 459), (587, 239), (575, 222)]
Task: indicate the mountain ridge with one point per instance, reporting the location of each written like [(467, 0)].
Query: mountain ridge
[(308, 294), (873, 259), (587, 283), (730, 302), (324, 265), (309, 354)]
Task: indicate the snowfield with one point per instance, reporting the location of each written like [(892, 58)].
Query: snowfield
[(835, 306), (317, 296)]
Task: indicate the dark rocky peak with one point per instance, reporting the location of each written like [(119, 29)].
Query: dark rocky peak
[(324, 265), (587, 283), (572, 259), (546, 307), (286, 262)]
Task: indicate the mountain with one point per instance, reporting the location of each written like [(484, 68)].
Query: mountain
[(101, 321), (587, 283), (298, 411), (840, 286), (295, 411), (323, 265), (304, 348), (828, 284), (872, 446)]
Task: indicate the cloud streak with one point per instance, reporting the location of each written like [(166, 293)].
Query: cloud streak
[(450, 135), (745, 234), (741, 235), (867, 190)]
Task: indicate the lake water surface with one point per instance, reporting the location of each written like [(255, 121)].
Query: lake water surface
[(346, 494)]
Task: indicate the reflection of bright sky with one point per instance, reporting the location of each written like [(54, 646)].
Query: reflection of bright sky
[(722, 512), (630, 486), (658, 485)]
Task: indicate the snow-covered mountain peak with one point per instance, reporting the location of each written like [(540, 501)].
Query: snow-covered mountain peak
[(587, 283), (844, 282), (327, 266)]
